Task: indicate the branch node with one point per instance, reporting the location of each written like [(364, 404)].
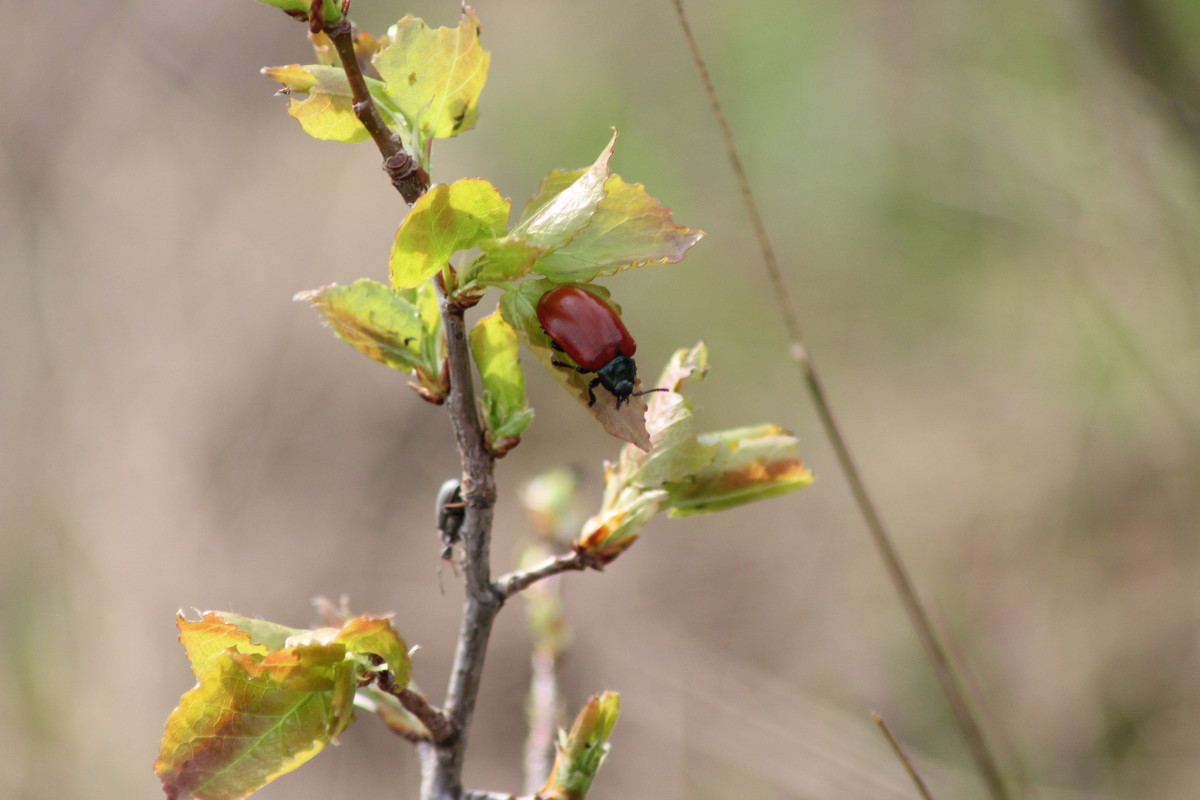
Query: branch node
[(442, 729), (405, 173)]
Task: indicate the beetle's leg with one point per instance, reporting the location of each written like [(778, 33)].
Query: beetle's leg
[(580, 370), (595, 381)]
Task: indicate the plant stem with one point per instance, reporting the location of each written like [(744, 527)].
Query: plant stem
[(441, 763), (442, 759), (921, 788), (514, 582), (440, 728), (972, 732), (406, 175)]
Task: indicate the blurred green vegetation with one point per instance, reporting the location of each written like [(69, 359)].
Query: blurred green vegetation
[(988, 217)]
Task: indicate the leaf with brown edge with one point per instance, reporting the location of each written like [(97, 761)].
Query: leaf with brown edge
[(628, 229), (253, 717), (207, 639), (589, 223), (263, 633), (565, 203), (268, 698), (685, 473), (614, 530), (751, 464)]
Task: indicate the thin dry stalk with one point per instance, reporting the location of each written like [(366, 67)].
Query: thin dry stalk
[(951, 686), (922, 789)]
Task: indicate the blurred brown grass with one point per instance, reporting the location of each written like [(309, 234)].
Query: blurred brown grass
[(989, 224)]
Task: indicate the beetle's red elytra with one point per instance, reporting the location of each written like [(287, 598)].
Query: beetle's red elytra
[(587, 329)]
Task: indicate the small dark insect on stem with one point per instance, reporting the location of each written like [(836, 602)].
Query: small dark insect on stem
[(451, 511)]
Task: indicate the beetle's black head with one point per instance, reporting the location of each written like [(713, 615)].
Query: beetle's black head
[(618, 376)]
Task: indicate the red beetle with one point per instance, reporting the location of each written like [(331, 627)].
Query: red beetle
[(586, 328)]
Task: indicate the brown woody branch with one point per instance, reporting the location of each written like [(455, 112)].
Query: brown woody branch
[(405, 173), (440, 727), (441, 763), (518, 581)]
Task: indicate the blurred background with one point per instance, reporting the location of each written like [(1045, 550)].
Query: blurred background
[(987, 213)]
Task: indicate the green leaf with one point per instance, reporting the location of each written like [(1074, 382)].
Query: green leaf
[(327, 112), (628, 229), (445, 219), (751, 464), (519, 307), (581, 753), (431, 383), (494, 347), (504, 260), (565, 203), (402, 329), (374, 320), (213, 751), (435, 76), (300, 8), (425, 298), (590, 223)]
